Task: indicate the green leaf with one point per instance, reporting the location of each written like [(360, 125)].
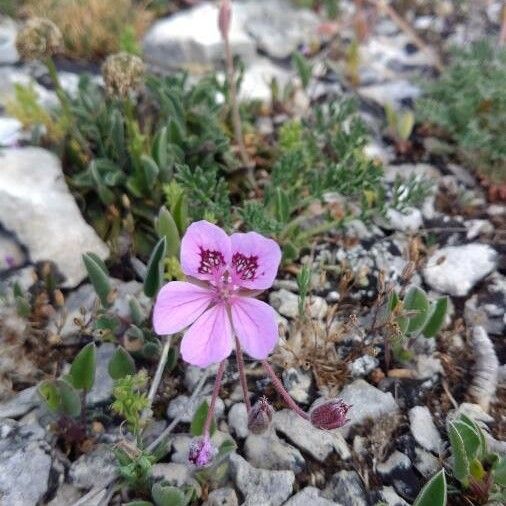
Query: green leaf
[(405, 125), (138, 503), (434, 491), (416, 301), (482, 450), (166, 227), (303, 67), (159, 152), (70, 402), (166, 495), (470, 438), (436, 317), (49, 393), (121, 364), (180, 213), (199, 420), (150, 171), (499, 472), (460, 460), (82, 370), (391, 116), (99, 279), (282, 206), (136, 311), (154, 271)]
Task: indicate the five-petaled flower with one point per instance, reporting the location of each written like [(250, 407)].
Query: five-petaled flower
[(224, 275)]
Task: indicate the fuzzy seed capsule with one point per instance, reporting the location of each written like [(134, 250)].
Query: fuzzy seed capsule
[(330, 415), (39, 38), (201, 452), (122, 73), (260, 416)]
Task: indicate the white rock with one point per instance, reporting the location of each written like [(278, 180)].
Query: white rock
[(309, 496), (407, 221), (397, 460), (287, 303), (175, 474), (298, 383), (191, 37), (268, 451), (390, 496), (20, 404), (456, 269), (390, 92), (477, 227), (474, 411), (181, 407), (37, 206), (277, 26), (93, 469), (256, 83), (260, 486), (362, 366), (423, 428), (367, 402), (318, 443), (11, 254), (103, 386), (428, 366), (426, 463), (10, 131), (8, 32), (222, 497), (238, 419), (346, 487)]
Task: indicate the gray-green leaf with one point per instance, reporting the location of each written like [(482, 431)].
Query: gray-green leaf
[(82, 370), (154, 272), (434, 491), (121, 364)]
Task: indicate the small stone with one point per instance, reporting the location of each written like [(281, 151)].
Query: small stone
[(362, 366), (20, 404), (456, 269), (8, 32), (423, 428), (37, 206), (390, 92), (268, 451), (475, 228), (191, 38), (11, 131), (260, 486), (367, 402), (67, 494), (474, 411), (222, 497), (397, 470), (397, 460), (175, 474), (409, 220), (181, 408), (238, 419), (102, 387), (93, 469), (426, 463), (287, 303), (347, 488), (428, 366), (318, 443), (309, 496), (298, 383), (390, 496)]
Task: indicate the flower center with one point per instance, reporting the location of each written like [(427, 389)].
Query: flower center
[(245, 267), (210, 260)]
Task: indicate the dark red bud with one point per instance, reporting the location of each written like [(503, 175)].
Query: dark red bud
[(330, 414), (224, 18), (260, 416)]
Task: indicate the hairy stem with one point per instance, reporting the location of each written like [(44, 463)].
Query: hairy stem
[(281, 390), (242, 375), (214, 396)]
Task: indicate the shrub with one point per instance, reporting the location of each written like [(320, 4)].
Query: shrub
[(468, 101)]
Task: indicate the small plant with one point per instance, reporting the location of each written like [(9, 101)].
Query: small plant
[(468, 101), (303, 285), (480, 475), (399, 127)]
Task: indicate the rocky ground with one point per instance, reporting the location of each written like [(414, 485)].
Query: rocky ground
[(395, 439)]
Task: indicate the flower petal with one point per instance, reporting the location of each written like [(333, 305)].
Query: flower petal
[(209, 339), (178, 305), (255, 325), (255, 260), (205, 251)]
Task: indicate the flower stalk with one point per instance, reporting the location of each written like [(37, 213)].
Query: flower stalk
[(214, 396), (242, 374)]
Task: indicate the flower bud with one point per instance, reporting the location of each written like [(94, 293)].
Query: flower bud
[(224, 18), (122, 73), (201, 452), (330, 414), (39, 38), (260, 416)]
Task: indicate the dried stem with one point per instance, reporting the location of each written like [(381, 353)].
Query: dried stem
[(408, 30), (281, 390), (242, 375), (157, 378), (214, 396)]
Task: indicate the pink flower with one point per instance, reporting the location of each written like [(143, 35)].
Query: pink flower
[(201, 452), (224, 274), (330, 414)]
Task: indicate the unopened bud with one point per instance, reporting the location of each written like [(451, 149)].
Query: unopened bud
[(330, 414), (39, 38), (122, 73), (224, 18), (201, 452), (260, 416)]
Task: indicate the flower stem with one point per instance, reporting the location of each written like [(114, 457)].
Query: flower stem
[(216, 391), (242, 375), (281, 390)]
